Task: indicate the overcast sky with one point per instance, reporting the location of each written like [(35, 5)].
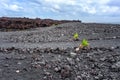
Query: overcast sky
[(85, 10)]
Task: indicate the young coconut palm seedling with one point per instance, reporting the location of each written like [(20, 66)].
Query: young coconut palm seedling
[(76, 36), (84, 45)]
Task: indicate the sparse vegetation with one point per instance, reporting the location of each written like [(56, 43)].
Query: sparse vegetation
[(76, 36), (84, 43)]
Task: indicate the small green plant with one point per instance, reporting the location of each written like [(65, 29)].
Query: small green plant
[(84, 44), (75, 36)]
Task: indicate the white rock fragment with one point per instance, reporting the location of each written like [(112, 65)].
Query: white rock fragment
[(19, 63), (112, 47), (77, 49), (72, 54), (69, 59), (17, 71), (77, 59), (62, 34), (114, 37)]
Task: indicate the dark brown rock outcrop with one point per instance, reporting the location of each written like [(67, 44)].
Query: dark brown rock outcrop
[(26, 23)]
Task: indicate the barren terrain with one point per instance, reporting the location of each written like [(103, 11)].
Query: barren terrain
[(48, 53)]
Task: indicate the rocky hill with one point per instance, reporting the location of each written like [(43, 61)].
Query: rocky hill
[(26, 23)]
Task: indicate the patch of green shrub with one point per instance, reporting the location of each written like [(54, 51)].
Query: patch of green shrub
[(75, 36), (85, 43)]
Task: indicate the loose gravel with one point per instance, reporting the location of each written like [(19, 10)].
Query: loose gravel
[(50, 53)]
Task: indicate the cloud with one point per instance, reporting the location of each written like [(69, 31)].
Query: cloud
[(90, 7), (7, 5), (13, 7), (61, 9), (108, 9), (63, 2)]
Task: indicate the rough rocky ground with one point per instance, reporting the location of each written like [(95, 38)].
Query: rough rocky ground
[(49, 53)]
